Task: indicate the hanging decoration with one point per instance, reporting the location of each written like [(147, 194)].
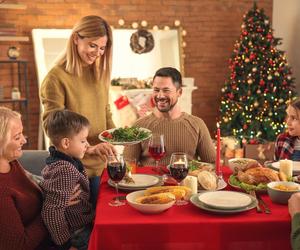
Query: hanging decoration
[(141, 41)]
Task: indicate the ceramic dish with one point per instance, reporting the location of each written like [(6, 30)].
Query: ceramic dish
[(140, 180), (135, 188), (146, 208), (225, 199), (105, 139), (195, 201)]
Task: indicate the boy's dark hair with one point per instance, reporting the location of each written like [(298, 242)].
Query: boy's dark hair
[(64, 123), (170, 72)]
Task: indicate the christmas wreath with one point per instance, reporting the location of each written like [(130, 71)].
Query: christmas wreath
[(137, 44)]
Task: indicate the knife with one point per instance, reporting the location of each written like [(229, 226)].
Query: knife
[(266, 207)]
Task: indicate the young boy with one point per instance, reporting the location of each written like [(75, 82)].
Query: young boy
[(69, 226)]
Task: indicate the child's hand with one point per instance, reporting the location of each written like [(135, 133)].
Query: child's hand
[(75, 194), (102, 149)]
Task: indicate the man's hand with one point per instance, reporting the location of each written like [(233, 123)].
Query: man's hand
[(102, 149), (294, 204), (75, 194)]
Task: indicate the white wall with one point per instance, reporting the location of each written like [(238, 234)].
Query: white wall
[(286, 25)]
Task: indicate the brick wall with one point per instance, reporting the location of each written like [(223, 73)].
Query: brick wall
[(212, 27)]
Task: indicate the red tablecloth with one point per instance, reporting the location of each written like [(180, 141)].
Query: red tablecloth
[(187, 227)]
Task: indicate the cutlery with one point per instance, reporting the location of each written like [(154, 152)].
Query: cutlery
[(258, 208), (262, 202)]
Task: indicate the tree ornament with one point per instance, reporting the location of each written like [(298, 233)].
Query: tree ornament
[(281, 100), (223, 90), (225, 119), (247, 60), (256, 104), (276, 73), (245, 126), (266, 22), (289, 77), (254, 69), (243, 26), (284, 83), (249, 81), (252, 56), (258, 91), (269, 36), (270, 114), (270, 77), (261, 82)]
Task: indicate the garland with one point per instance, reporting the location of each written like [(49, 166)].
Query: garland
[(135, 41)]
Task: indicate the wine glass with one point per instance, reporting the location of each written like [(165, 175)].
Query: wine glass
[(157, 148), (179, 170), (116, 169)]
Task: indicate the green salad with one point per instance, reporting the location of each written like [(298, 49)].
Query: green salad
[(127, 134), (233, 180)]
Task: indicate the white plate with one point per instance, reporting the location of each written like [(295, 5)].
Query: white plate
[(102, 138), (140, 180), (195, 201), (296, 167), (225, 199), (130, 189)]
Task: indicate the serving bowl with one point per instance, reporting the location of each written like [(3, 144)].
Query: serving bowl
[(279, 195), (239, 163), (146, 208)]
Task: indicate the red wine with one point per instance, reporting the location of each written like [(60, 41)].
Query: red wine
[(116, 171), (157, 152), (178, 171)]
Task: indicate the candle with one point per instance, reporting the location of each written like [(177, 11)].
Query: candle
[(192, 183), (218, 154), (286, 166)]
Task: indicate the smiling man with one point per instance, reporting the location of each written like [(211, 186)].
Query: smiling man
[(182, 132)]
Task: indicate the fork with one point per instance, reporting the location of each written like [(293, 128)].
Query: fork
[(262, 202), (258, 208)]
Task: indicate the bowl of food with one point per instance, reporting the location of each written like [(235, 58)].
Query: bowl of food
[(150, 204), (281, 191), (239, 163)]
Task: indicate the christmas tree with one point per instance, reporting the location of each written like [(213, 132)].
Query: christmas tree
[(254, 98)]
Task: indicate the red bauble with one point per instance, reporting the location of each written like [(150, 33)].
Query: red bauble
[(269, 36), (245, 33), (245, 126), (252, 56), (284, 83), (271, 62), (261, 82), (230, 95), (253, 141)]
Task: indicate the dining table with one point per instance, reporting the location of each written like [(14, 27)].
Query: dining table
[(188, 226)]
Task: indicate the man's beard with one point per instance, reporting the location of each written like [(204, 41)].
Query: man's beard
[(168, 108)]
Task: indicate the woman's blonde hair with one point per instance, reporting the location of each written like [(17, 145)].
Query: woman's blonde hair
[(6, 115), (87, 27)]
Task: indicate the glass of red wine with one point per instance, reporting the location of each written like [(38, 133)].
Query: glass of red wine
[(157, 149), (116, 169), (179, 170)]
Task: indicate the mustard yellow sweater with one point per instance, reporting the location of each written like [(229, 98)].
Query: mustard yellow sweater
[(84, 95), (187, 134)]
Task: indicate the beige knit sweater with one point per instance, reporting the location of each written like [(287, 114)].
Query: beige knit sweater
[(83, 95), (187, 134)]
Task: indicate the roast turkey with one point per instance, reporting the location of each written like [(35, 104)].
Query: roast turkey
[(255, 174)]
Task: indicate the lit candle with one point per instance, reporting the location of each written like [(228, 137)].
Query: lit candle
[(218, 154)]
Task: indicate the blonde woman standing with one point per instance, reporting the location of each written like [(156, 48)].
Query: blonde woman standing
[(80, 81)]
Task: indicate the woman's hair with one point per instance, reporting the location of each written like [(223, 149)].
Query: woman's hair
[(296, 105), (87, 27), (64, 124), (6, 115)]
